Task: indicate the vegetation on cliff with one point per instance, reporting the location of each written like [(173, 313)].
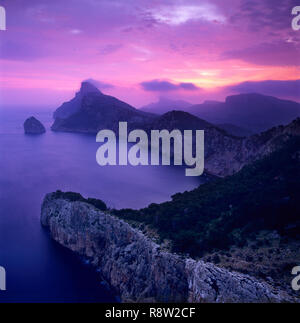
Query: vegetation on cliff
[(262, 196), (72, 197)]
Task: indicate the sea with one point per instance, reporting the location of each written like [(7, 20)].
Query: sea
[(37, 268)]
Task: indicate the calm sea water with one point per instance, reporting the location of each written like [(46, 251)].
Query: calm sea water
[(38, 269)]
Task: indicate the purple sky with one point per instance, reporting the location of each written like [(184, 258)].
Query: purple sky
[(139, 50)]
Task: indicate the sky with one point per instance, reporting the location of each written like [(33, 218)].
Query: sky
[(140, 50)]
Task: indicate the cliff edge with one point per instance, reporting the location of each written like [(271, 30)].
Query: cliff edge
[(136, 268)]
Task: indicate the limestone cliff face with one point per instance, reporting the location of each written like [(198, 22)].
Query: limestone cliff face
[(225, 155), (136, 268)]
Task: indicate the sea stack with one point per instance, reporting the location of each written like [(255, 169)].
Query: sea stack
[(33, 126)]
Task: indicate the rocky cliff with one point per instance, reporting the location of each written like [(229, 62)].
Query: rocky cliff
[(73, 106), (226, 154), (91, 110), (136, 268)]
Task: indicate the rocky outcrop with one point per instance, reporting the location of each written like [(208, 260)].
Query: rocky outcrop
[(73, 106), (91, 110), (33, 126), (136, 268)]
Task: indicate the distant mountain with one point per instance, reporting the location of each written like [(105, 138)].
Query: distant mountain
[(164, 105), (90, 110), (253, 111)]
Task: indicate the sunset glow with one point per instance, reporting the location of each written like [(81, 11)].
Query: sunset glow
[(49, 48)]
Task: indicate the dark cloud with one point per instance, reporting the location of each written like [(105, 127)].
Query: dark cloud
[(284, 89), (100, 85), (164, 86), (188, 86), (279, 53), (272, 14)]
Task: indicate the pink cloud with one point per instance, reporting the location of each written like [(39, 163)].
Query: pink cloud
[(51, 46)]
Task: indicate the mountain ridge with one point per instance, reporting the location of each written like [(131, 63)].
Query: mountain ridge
[(240, 114), (252, 112), (164, 105), (225, 154)]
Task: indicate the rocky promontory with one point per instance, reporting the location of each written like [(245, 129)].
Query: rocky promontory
[(33, 126), (91, 110), (137, 268)]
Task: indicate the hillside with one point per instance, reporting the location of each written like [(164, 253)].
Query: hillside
[(247, 222), (226, 154), (263, 195), (235, 130)]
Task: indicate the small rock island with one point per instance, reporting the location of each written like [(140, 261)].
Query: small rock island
[(32, 126)]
